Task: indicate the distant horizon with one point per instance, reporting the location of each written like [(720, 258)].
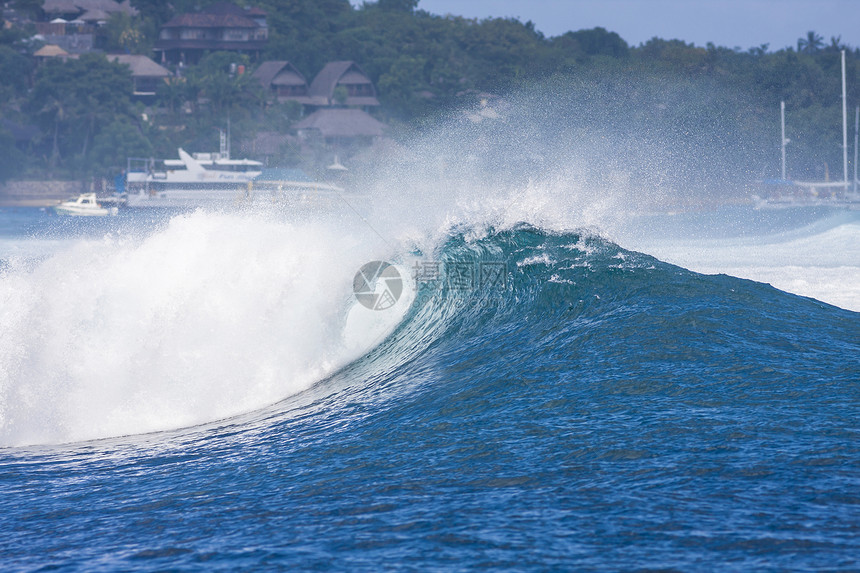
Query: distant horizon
[(742, 24)]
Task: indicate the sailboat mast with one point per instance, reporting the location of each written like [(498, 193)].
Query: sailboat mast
[(856, 137), (783, 140), (844, 125)]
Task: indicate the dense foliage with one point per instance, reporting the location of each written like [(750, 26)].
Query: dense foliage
[(716, 105)]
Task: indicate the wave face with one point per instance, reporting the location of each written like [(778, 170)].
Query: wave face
[(589, 407)]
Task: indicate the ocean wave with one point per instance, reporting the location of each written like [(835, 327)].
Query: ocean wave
[(218, 315)]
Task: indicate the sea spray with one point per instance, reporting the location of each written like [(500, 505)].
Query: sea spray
[(214, 315)]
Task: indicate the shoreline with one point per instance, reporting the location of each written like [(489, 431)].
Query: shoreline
[(12, 203), (39, 193)]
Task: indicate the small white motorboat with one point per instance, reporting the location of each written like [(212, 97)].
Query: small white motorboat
[(85, 205)]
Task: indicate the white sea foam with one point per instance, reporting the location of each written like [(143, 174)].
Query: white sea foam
[(27, 248), (214, 315), (816, 261)]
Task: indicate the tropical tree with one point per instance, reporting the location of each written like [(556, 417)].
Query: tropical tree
[(398, 5), (811, 43), (31, 7), (52, 115), (14, 35), (116, 142), (171, 94), (75, 99), (219, 81), (400, 85), (301, 30), (599, 42), (128, 34), (15, 74), (157, 12), (836, 44), (12, 161)]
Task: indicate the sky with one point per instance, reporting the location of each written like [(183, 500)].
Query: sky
[(730, 23)]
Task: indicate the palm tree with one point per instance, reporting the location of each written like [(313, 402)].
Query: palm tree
[(811, 43), (170, 93), (836, 44), (55, 112)]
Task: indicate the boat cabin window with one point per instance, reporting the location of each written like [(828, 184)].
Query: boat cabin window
[(232, 167)]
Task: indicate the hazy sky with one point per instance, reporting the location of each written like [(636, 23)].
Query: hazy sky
[(730, 23)]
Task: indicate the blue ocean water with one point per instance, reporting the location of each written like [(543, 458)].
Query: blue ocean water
[(589, 408)]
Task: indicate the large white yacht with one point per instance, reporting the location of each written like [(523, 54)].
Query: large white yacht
[(193, 180)]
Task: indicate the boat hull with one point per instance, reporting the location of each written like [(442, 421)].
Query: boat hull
[(185, 199), (282, 192), (82, 212), (85, 205)]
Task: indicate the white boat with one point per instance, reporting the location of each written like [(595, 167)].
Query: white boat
[(213, 179), (193, 180), (85, 205)]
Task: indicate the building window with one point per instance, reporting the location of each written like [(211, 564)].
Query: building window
[(192, 34), (359, 90), (235, 35)]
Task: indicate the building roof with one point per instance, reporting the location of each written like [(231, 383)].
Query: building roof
[(289, 78), (141, 66), (353, 77), (200, 20), (69, 6), (95, 16), (324, 84), (50, 51), (59, 7), (218, 15), (279, 72), (282, 73), (342, 123)]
